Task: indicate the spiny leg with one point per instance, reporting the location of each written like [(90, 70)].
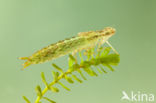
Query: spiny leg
[(90, 51), (112, 47), (102, 41), (74, 55), (99, 45)]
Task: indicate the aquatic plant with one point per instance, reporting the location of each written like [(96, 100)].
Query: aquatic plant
[(93, 60)]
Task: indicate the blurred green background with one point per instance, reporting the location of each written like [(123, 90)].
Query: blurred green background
[(29, 25)]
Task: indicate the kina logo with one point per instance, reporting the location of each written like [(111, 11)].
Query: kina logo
[(137, 96)]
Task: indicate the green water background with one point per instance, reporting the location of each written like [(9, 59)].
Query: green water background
[(28, 25)]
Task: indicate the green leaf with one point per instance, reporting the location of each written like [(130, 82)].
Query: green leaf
[(54, 89), (51, 101), (76, 78), (81, 58), (55, 75), (57, 68), (90, 71), (69, 79), (92, 52), (70, 62), (114, 59), (88, 54), (64, 86), (73, 67), (76, 67), (44, 80), (26, 99), (86, 64), (106, 51), (38, 91), (81, 74), (95, 74), (99, 70), (102, 69), (99, 52), (109, 67), (72, 58)]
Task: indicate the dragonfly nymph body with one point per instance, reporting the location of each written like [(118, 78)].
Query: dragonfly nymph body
[(83, 40)]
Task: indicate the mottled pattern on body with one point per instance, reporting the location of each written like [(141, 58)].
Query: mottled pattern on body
[(84, 40), (56, 50)]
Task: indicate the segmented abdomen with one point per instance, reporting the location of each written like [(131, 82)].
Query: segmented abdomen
[(58, 49)]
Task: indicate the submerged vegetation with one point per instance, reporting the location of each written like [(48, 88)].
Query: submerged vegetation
[(94, 62)]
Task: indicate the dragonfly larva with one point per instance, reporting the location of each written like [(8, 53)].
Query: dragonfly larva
[(83, 40)]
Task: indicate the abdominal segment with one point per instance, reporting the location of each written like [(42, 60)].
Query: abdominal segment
[(62, 48), (56, 50)]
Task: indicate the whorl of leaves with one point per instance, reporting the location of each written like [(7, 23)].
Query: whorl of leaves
[(99, 60)]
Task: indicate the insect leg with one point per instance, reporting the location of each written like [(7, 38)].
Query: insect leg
[(74, 54), (101, 41), (112, 47), (89, 51)]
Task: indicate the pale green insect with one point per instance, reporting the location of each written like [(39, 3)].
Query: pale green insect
[(84, 40)]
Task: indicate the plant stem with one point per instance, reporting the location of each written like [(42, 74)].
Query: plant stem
[(52, 83)]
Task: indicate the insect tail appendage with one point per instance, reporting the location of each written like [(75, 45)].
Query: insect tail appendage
[(27, 63), (23, 58)]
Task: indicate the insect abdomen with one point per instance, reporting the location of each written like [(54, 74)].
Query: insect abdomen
[(56, 50)]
